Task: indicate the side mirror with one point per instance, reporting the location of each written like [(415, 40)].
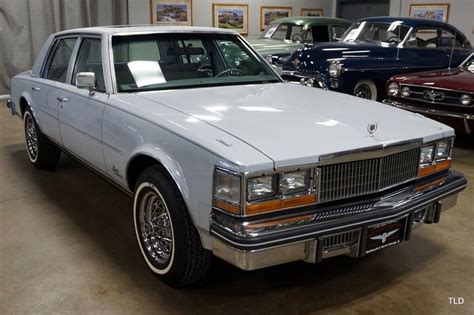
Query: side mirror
[(86, 80)]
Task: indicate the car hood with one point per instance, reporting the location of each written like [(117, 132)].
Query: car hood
[(455, 79), (272, 46), (293, 124)]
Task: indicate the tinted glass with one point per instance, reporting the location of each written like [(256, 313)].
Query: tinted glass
[(337, 32), (320, 33), (284, 31), (384, 34), (163, 61), (89, 59), (423, 38), (57, 70)]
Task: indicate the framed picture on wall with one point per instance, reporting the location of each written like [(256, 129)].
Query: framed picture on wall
[(171, 12), (311, 12), (434, 11), (231, 16), (269, 14)]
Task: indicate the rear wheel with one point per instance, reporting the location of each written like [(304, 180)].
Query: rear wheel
[(366, 89), (42, 153), (167, 238)]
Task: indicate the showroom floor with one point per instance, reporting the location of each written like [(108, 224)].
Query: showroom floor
[(67, 245)]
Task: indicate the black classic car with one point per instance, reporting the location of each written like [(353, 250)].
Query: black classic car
[(374, 49)]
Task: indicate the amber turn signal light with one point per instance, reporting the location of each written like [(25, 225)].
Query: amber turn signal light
[(281, 204), (226, 206), (444, 165)]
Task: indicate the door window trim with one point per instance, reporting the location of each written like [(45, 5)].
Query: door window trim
[(52, 51), (70, 80)]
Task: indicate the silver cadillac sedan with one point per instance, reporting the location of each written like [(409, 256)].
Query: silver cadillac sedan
[(222, 157)]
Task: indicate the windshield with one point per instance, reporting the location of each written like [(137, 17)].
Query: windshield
[(165, 61), (283, 31), (384, 34), (468, 64)]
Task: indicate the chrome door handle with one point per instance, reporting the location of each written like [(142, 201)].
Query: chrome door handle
[(62, 99), (35, 88)]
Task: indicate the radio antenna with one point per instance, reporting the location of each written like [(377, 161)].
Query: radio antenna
[(452, 50)]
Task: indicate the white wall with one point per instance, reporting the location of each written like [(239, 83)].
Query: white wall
[(461, 13), (139, 10)]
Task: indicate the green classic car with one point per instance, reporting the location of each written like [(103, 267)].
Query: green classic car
[(283, 36)]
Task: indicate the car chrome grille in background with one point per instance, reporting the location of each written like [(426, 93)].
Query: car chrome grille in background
[(435, 96), (357, 178)]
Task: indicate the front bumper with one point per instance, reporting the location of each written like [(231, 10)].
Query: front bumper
[(311, 235)]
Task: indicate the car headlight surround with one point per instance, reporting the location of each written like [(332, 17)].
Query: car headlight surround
[(465, 99), (435, 157), (262, 187), (393, 89), (245, 194), (405, 91), (426, 154), (227, 191), (294, 182), (335, 69), (443, 150)]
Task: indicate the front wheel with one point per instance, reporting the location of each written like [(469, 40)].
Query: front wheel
[(42, 153), (167, 238), (366, 89)]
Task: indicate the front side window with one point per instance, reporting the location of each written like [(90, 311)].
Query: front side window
[(59, 62), (384, 34), (165, 61), (337, 32), (283, 31), (89, 59)]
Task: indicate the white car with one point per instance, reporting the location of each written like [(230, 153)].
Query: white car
[(224, 158)]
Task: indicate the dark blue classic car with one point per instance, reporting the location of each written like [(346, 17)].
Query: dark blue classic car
[(374, 49)]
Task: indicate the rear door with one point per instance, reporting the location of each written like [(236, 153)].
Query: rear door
[(47, 89), (81, 112), (423, 51)]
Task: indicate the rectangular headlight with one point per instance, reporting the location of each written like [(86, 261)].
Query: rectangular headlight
[(426, 155), (261, 187), (227, 187), (443, 150), (294, 182)]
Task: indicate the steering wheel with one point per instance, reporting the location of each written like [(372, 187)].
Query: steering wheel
[(229, 70), (205, 68), (393, 39)]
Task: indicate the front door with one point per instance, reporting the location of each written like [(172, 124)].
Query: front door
[(80, 111)]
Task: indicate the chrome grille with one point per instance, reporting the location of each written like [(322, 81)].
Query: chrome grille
[(357, 178), (341, 239), (432, 95)]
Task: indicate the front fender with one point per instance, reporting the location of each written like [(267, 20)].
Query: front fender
[(168, 162)]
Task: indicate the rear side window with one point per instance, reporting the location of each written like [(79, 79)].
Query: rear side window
[(89, 59), (58, 64), (337, 32), (320, 33)]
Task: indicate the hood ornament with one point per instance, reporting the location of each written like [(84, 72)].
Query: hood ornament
[(372, 128)]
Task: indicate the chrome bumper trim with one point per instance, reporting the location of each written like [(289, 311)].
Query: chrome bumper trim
[(416, 109), (282, 244)]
